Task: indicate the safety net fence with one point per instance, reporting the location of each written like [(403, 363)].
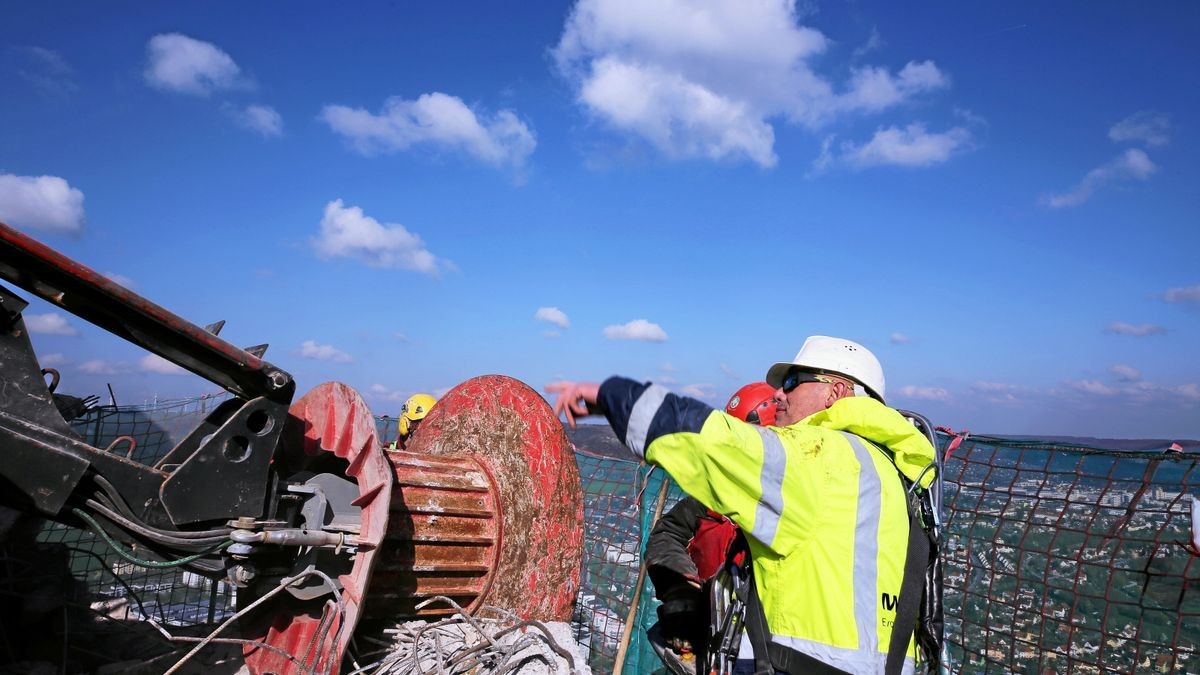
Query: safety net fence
[(1059, 559), (66, 587), (1068, 559)]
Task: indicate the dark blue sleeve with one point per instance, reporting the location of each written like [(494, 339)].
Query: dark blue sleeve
[(641, 412)]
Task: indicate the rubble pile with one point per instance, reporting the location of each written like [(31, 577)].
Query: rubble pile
[(491, 641)]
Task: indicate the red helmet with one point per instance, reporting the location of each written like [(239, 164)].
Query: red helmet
[(753, 403)]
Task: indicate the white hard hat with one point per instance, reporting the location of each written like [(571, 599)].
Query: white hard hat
[(835, 356)]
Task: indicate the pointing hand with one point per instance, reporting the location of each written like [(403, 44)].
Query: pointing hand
[(573, 398)]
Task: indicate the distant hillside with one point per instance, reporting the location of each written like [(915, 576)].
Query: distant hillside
[(1130, 444), (599, 439)]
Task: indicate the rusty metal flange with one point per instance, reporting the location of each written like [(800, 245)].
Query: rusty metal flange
[(510, 431), (486, 508), (331, 419), (443, 536)]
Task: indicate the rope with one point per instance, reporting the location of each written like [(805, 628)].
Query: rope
[(284, 583), (959, 437)]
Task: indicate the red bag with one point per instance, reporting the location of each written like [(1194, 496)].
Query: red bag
[(716, 542)]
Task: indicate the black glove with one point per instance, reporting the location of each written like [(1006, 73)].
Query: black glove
[(683, 619)]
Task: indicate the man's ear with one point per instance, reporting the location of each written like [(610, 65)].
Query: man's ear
[(834, 397)]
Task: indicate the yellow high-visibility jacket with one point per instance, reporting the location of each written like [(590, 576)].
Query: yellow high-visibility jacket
[(820, 500)]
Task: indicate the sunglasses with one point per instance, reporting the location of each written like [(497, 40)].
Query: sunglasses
[(796, 378)]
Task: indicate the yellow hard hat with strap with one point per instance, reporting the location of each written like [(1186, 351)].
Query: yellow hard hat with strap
[(413, 410)]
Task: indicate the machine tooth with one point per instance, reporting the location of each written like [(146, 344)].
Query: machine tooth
[(257, 350)]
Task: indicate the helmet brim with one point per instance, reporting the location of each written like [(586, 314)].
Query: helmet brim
[(777, 372), (780, 370)]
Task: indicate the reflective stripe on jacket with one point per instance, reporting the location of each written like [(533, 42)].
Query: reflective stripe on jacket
[(820, 500)]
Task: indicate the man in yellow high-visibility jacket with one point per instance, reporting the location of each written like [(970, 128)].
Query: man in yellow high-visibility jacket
[(818, 494)]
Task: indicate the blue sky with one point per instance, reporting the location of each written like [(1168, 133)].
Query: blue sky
[(999, 199)]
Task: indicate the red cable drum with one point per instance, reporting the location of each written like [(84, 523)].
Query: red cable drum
[(484, 507)]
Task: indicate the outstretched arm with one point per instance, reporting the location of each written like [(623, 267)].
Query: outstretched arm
[(714, 457)]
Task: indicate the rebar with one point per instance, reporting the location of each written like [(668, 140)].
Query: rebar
[(463, 643)]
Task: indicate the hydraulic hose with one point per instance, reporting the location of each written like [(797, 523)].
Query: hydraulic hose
[(118, 503), (151, 564), (154, 535)]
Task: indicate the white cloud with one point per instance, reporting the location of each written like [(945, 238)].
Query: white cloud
[(911, 146), (983, 385), (153, 363), (1091, 387), (1125, 373), (998, 392), (552, 315), (346, 232), (45, 203), (638, 329), (900, 339), (47, 70), (178, 63), (436, 119), (874, 43), (386, 394), (49, 324), (700, 390), (52, 360), (1130, 389), (1142, 330), (102, 367), (729, 371), (924, 393), (261, 119), (1148, 127), (1186, 295), (1132, 164), (667, 377), (680, 118), (874, 89), (706, 79), (311, 350), (120, 279), (1126, 388), (825, 158), (970, 117), (1142, 392)]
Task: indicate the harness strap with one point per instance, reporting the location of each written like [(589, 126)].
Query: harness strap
[(912, 587), (793, 662), (756, 630)]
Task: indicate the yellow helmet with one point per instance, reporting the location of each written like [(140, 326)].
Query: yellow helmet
[(414, 410)]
